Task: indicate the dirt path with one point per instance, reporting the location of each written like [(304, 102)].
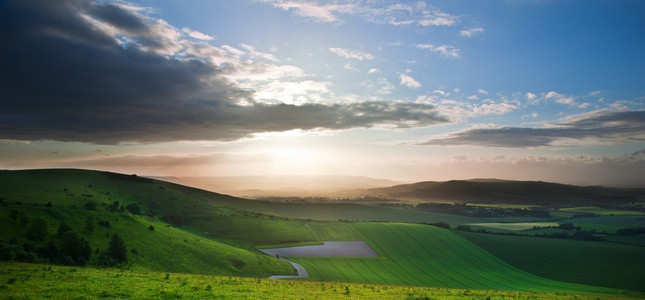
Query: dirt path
[(302, 272)]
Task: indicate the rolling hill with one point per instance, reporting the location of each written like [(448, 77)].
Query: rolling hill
[(510, 192), (97, 205)]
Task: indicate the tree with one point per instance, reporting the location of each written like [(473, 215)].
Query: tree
[(62, 228), (37, 230), (116, 250), (23, 217), (74, 249), (133, 208)]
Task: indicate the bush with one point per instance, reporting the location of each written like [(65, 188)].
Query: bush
[(11, 252), (37, 230), (116, 252), (133, 208), (90, 205), (62, 228), (76, 248)]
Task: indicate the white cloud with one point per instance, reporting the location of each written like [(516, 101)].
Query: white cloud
[(595, 93), (257, 54), (232, 50), (552, 94), (197, 35), (470, 32), (559, 98), (408, 81), (349, 66), (444, 50), (482, 91), (310, 10), (351, 54), (373, 71), (530, 96)]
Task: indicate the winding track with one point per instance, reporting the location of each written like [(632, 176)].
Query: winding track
[(302, 272)]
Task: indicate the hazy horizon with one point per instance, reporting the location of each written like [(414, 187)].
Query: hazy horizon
[(425, 91)]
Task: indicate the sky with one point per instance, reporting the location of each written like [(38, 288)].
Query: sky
[(403, 90)]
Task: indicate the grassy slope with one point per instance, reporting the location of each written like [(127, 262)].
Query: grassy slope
[(593, 263), (425, 255), (26, 281), (166, 248)]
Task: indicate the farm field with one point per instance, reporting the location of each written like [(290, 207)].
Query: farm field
[(30, 281), (416, 255), (585, 262)]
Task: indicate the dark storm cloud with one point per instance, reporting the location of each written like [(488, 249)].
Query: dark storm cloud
[(106, 73), (603, 126)]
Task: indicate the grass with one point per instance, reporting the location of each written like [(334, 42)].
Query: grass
[(592, 263), (333, 231), (257, 231), (29, 281), (423, 255)]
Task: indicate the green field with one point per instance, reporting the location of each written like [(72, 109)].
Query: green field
[(423, 255), (584, 262)]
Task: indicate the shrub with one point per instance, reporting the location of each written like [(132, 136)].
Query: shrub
[(23, 217), (116, 250), (37, 230), (90, 205), (133, 208), (74, 247), (62, 228)]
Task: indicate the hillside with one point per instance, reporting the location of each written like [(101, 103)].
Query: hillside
[(150, 216), (511, 192)]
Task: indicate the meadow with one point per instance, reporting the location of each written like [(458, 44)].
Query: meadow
[(32, 281)]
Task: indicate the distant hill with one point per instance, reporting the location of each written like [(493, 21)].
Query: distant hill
[(284, 186), (510, 192)]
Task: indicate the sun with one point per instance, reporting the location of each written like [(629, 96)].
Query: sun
[(294, 161)]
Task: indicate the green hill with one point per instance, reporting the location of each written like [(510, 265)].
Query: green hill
[(146, 214)]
